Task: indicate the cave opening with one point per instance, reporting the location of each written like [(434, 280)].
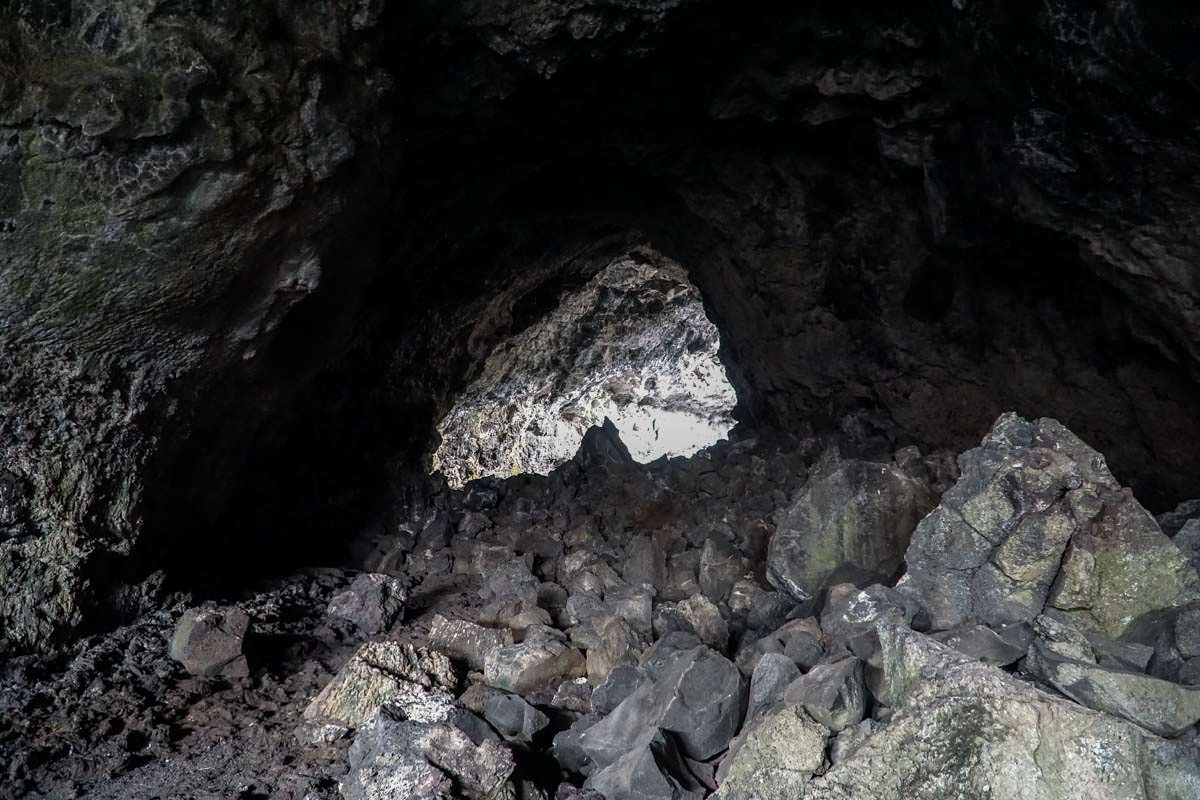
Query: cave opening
[(631, 345)]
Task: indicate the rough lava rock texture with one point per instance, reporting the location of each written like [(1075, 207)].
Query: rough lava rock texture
[(631, 345), (1037, 519)]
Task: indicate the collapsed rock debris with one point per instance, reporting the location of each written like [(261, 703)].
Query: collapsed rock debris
[(620, 631)]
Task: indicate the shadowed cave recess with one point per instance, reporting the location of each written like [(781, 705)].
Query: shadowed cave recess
[(566, 352)]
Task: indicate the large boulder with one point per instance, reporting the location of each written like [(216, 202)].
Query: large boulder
[(212, 641), (962, 729), (393, 757), (1163, 707), (1036, 518), (698, 698), (852, 520), (414, 678)]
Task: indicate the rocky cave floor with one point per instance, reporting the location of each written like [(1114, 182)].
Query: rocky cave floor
[(619, 630)]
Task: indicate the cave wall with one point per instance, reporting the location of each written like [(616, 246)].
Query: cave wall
[(251, 248)]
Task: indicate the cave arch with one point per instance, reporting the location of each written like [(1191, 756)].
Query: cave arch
[(632, 345)]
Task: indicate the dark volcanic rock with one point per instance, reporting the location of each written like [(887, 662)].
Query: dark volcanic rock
[(212, 641), (852, 520), (372, 602), (698, 698)]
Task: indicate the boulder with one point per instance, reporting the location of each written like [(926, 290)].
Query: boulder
[(851, 521), (466, 640), (832, 694), (543, 659), (513, 718), (622, 681), (652, 769), (1036, 518), (397, 758), (602, 449), (416, 681), (698, 697), (772, 676), (963, 729), (1001, 646), (776, 759), (617, 644), (1161, 706), (372, 602), (852, 614), (721, 566), (697, 614), (212, 641), (799, 640)]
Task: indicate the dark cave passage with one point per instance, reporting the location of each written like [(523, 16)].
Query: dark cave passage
[(866, 255)]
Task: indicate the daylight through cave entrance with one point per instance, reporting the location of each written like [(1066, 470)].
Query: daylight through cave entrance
[(632, 344)]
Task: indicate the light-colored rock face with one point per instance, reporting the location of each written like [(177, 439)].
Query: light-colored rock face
[(415, 680), (965, 731), (1037, 520), (777, 758), (633, 345)]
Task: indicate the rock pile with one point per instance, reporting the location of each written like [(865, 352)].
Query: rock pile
[(733, 624), (763, 621)]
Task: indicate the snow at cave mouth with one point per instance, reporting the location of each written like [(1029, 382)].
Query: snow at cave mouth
[(632, 344)]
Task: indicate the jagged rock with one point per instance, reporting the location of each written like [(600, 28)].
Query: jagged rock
[(721, 566), (964, 729), (372, 602), (652, 769), (621, 682), (479, 558), (473, 523), (698, 698), (799, 640), (1033, 497), (665, 651), (832, 694), (1188, 542), (1187, 633), (416, 681), (567, 746), (697, 614), (853, 520), (602, 448), (645, 563), (519, 613), (776, 759), (394, 758), (682, 576), (511, 578), (465, 640), (541, 660), (634, 604), (1004, 645), (772, 676), (1166, 708), (573, 695), (618, 644), (212, 641), (515, 719), (852, 614)]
